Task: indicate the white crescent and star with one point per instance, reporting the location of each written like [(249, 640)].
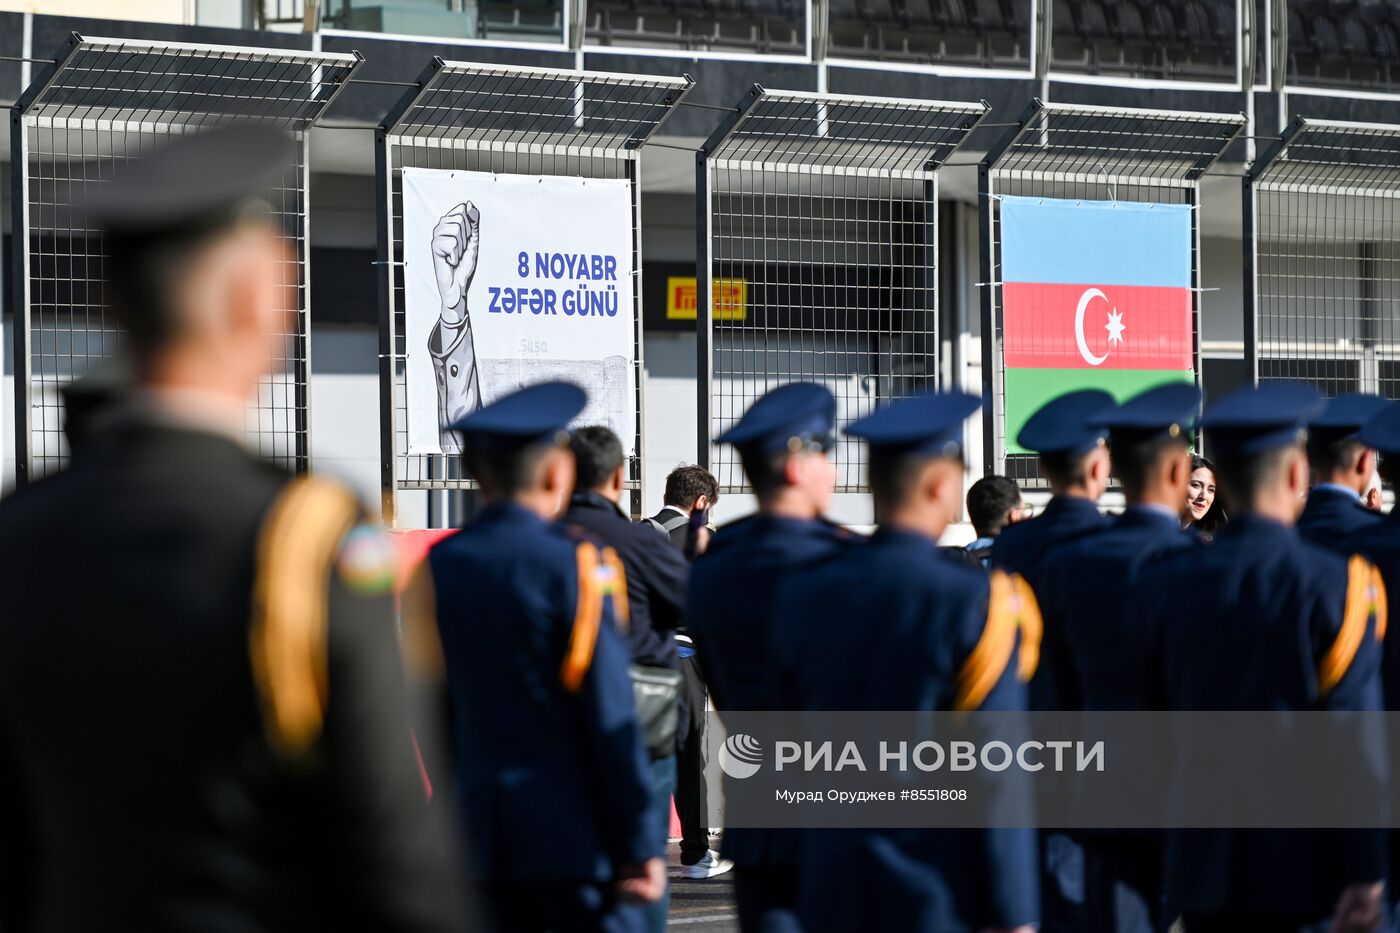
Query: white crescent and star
[(1115, 327)]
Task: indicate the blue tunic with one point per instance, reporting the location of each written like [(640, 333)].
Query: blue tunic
[(892, 625), (1262, 620), (1331, 515), (552, 776)]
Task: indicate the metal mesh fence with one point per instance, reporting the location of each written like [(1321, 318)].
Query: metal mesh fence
[(818, 257), (1070, 151), (1322, 214), (506, 120), (106, 101)]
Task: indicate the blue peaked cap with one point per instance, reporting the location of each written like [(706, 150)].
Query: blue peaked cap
[(1345, 415), (1069, 424), (1256, 419), (924, 424), (1168, 410), (787, 418), (1382, 431)]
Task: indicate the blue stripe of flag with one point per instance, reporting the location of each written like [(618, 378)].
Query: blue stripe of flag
[(1095, 242)]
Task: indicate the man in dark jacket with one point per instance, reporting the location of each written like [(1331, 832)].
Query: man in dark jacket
[(691, 491), (656, 578), (203, 716)]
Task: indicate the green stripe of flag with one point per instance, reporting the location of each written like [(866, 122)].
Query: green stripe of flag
[(1028, 389)]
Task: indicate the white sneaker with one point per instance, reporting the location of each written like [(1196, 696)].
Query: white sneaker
[(710, 864)]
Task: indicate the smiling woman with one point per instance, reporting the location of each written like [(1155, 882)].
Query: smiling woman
[(1202, 513)]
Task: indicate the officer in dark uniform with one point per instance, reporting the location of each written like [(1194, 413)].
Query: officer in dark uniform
[(899, 624), (1342, 467), (552, 773), (783, 441), (1262, 620), (1074, 459), (203, 714), (1083, 599), (1379, 542)]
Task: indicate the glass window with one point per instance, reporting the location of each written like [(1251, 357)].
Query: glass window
[(1344, 43), (764, 26), (1191, 40), (979, 33), (520, 20)]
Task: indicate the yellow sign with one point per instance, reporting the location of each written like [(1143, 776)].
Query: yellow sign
[(731, 299)]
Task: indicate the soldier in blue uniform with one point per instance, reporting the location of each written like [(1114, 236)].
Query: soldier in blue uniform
[(1379, 542), (783, 440), (1074, 459), (1342, 467), (899, 624), (1262, 620), (1083, 600), (551, 771)]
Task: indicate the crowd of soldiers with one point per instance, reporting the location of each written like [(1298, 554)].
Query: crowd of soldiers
[(209, 722)]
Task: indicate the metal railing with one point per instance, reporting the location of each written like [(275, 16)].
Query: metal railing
[(106, 101), (1322, 257), (817, 257)]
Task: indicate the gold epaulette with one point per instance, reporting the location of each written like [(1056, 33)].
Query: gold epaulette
[(297, 548), (1365, 601), (1011, 612), (601, 579)]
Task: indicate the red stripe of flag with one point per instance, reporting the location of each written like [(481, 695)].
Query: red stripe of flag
[(1038, 327)]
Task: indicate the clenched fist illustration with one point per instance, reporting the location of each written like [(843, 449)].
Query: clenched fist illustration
[(456, 242)]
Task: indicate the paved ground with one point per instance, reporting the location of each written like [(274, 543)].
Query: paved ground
[(703, 906)]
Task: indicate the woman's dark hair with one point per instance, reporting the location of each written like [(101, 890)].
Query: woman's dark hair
[(1215, 517)]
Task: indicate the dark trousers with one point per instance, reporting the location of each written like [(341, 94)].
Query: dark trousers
[(663, 785), (766, 899), (692, 794), (560, 907), (1123, 883)]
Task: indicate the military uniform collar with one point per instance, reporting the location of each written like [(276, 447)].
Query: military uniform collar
[(1251, 524), (592, 499), (1071, 505), (191, 410), (1148, 512), (1337, 489), (507, 510), (904, 537)]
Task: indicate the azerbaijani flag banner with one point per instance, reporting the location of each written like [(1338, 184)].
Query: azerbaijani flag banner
[(1095, 294)]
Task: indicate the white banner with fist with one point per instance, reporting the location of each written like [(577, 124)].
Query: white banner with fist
[(511, 280)]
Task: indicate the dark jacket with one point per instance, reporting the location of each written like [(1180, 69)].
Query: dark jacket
[(1331, 515), (831, 653), (678, 534), (141, 785), (656, 576)]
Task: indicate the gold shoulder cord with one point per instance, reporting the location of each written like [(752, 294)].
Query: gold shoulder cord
[(1011, 611), (1365, 600), (588, 616), (297, 548)]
